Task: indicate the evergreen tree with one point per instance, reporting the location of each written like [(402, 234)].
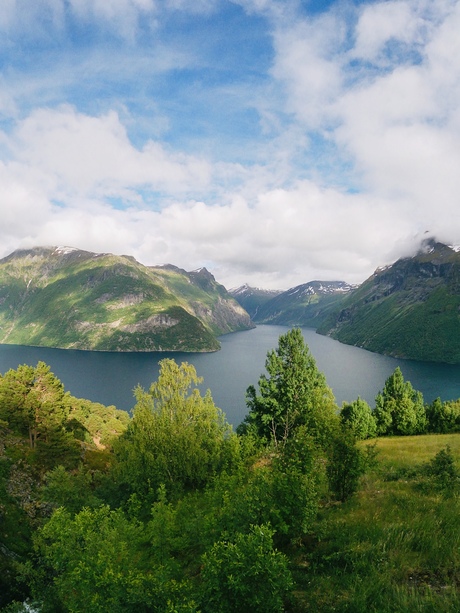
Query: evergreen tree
[(293, 393)]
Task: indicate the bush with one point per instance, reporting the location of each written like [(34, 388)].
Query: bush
[(442, 471), (245, 574), (358, 417), (345, 467)]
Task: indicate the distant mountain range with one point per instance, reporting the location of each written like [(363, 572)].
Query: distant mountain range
[(304, 305), (69, 298), (410, 309)]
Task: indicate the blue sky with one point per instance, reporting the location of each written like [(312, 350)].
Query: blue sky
[(272, 141)]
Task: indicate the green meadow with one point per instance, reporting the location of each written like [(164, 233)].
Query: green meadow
[(395, 545)]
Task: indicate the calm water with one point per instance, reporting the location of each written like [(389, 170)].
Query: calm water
[(111, 377)]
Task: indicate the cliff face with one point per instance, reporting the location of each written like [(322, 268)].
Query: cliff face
[(410, 309), (69, 298)]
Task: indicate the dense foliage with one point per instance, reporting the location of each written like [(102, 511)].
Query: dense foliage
[(171, 511)]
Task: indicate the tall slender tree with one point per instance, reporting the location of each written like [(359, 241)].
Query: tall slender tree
[(293, 393)]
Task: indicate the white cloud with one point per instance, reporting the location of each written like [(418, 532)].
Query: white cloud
[(121, 15), (380, 84), (90, 156), (385, 22), (393, 117), (402, 129), (306, 63)]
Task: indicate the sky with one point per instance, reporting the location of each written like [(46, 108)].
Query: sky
[(274, 142)]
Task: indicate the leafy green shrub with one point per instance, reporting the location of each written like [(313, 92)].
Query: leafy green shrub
[(442, 471), (358, 417), (245, 574), (346, 465)]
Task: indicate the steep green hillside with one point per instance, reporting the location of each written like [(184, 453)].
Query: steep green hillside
[(304, 305), (410, 309), (68, 298), (209, 301)]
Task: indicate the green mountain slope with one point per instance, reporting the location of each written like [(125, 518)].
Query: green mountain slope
[(68, 298), (304, 305), (410, 309)]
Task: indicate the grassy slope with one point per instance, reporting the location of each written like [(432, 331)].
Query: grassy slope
[(394, 547)]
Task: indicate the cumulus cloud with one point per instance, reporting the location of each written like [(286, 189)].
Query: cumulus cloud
[(382, 24), (84, 155), (306, 62), (391, 111), (353, 152)]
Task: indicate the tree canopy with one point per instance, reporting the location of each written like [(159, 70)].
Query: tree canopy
[(399, 408), (293, 393), (177, 436)]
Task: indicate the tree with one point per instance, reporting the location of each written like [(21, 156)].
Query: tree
[(347, 464), (34, 404), (100, 561), (282, 489), (357, 417), (176, 438), (443, 417), (294, 393), (399, 408)]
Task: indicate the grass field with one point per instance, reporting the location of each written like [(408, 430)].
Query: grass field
[(395, 546)]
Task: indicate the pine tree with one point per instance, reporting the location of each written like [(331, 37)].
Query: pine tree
[(293, 393)]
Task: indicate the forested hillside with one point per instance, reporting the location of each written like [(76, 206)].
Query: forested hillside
[(170, 510), (410, 309)]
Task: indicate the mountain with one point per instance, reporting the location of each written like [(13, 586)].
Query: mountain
[(253, 298), (304, 305), (410, 309), (69, 298)]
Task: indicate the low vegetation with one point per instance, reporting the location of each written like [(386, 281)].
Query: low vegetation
[(301, 510)]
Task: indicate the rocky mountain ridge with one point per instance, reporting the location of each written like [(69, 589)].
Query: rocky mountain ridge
[(303, 305), (70, 298)]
